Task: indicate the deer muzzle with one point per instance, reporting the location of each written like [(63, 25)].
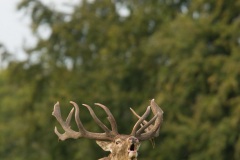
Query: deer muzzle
[(133, 145)]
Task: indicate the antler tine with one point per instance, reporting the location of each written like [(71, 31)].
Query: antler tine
[(156, 109), (150, 129), (144, 122), (77, 119), (110, 117), (152, 132), (96, 119), (146, 125), (140, 120), (69, 118), (69, 133)]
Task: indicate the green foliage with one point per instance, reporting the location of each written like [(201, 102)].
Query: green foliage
[(185, 54)]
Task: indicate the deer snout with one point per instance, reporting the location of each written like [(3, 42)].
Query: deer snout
[(133, 140)]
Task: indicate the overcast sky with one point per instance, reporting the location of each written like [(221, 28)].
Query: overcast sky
[(14, 31), (13, 27)]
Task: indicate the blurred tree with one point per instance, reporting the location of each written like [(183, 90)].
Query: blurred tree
[(199, 81), (4, 56), (122, 53)]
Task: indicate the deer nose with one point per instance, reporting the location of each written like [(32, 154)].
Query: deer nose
[(133, 140)]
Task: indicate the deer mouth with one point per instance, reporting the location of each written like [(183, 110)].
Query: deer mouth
[(132, 151), (132, 147)]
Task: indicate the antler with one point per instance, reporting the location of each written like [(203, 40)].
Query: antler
[(69, 133), (151, 130)]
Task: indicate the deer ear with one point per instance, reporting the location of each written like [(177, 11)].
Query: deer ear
[(105, 145)]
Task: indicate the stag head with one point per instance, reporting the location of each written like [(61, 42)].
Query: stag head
[(122, 147)]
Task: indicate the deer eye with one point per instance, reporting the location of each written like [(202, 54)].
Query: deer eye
[(118, 142)]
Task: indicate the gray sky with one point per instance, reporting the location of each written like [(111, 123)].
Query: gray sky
[(13, 27), (14, 31)]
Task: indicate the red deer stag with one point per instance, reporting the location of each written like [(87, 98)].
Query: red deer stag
[(122, 147)]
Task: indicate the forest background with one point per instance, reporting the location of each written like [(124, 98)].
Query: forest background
[(183, 53)]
